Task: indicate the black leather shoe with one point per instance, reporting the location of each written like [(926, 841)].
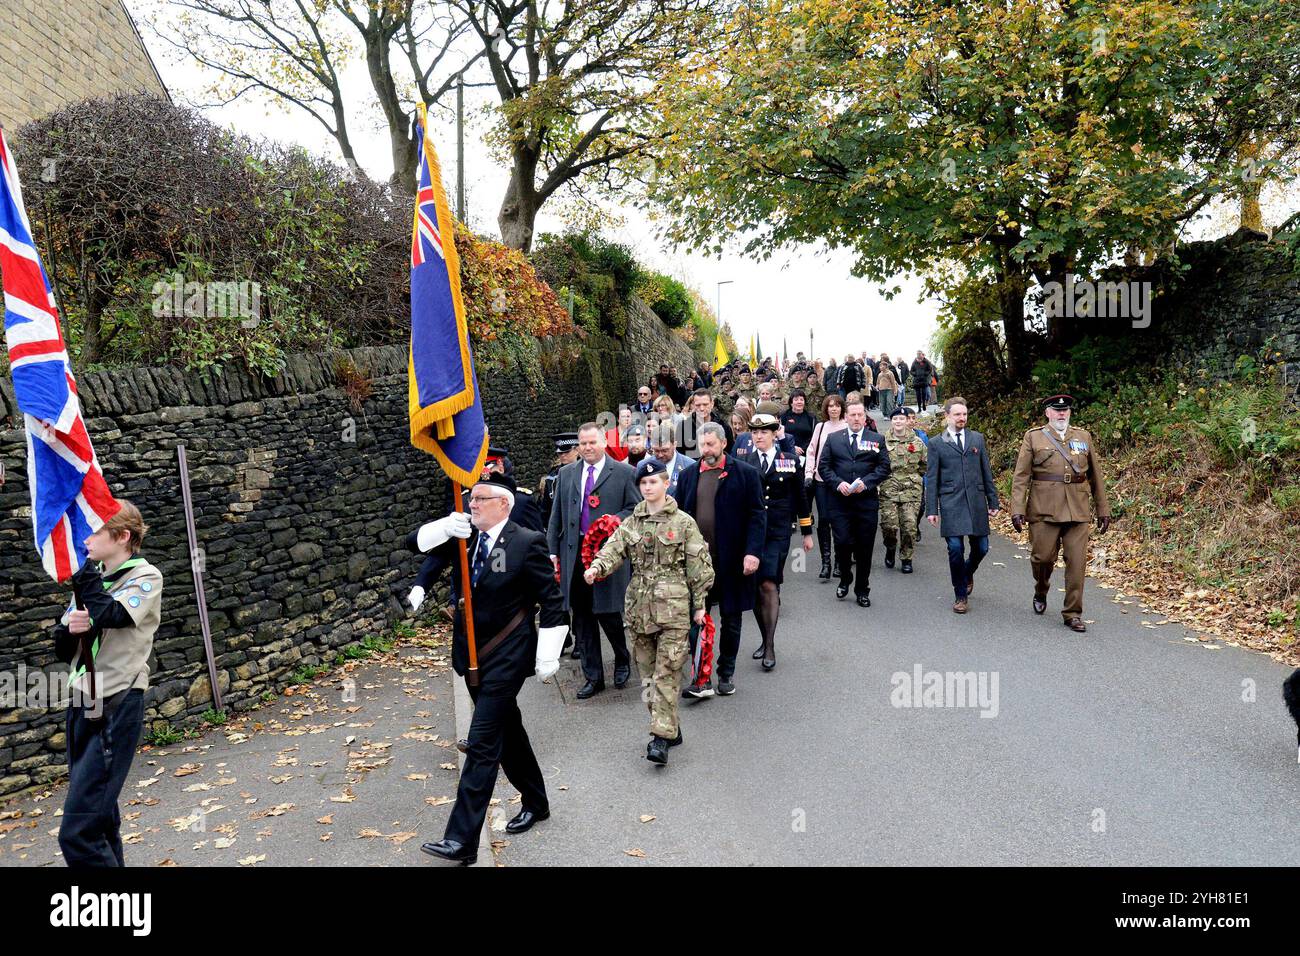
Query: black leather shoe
[(842, 591), (758, 654), (525, 819), (462, 745), (906, 567), (864, 601), (577, 653), (1040, 604), (591, 689), (451, 850), (657, 750), (1076, 624), (770, 661), (621, 674), (825, 574), (889, 557), (835, 569)]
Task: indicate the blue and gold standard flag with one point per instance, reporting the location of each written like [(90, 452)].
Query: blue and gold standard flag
[(446, 409)]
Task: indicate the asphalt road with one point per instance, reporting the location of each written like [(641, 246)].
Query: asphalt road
[(1125, 745)]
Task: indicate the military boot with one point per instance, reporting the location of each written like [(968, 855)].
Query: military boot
[(657, 750)]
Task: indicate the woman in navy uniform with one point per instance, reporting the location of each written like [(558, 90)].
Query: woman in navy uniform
[(784, 500)]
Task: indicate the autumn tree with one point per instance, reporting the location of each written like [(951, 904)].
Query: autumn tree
[(574, 82), (1011, 142), (298, 51)]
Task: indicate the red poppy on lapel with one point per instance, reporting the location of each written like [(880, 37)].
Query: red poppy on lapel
[(593, 501)]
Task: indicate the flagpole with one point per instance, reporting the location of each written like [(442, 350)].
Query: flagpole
[(471, 676)]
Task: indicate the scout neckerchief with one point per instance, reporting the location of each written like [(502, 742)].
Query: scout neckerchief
[(1047, 430), (109, 581)]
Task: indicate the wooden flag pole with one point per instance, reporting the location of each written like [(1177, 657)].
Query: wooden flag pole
[(471, 677)]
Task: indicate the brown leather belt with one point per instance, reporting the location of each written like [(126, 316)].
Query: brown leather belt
[(1067, 479), (523, 614)]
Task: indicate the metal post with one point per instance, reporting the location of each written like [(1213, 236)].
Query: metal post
[(460, 149), (196, 567)]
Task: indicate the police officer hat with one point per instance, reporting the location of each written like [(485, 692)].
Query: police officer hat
[(764, 420), (1059, 402), (650, 466), (497, 453), (565, 440)]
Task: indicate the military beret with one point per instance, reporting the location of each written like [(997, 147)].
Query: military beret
[(1059, 402), (900, 410), (650, 466), (565, 440), (499, 480), (764, 420), (908, 410), (635, 430)]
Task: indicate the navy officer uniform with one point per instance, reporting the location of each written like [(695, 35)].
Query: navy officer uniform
[(854, 456)]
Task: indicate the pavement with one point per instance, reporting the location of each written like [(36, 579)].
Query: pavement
[(1136, 743)]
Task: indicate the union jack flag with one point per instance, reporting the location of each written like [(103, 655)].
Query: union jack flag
[(70, 499), (425, 237)]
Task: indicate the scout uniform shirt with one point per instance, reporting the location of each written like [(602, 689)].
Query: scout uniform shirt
[(1048, 488), (122, 654)]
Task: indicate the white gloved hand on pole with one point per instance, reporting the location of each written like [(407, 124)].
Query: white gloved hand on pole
[(550, 641), (455, 525), (416, 597)]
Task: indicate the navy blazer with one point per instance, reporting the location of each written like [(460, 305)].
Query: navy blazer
[(839, 463), (782, 491), (740, 528), (959, 487)]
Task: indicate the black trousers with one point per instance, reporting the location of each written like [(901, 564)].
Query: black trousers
[(496, 739), (99, 758), (728, 641), (822, 495), (587, 626), (854, 525)]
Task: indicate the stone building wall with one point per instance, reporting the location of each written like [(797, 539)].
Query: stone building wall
[(55, 52), (302, 504)]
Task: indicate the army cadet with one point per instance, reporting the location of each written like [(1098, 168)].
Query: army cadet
[(671, 577), (784, 499), (566, 450), (1056, 466), (815, 392), (902, 492), (745, 387)]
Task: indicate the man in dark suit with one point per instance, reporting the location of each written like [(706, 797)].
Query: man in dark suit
[(593, 486), (725, 497), (959, 486), (853, 463), (511, 576), (784, 500)]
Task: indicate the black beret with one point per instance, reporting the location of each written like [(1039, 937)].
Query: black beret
[(650, 466)]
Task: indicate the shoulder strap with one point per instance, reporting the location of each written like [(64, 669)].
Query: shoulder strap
[(1047, 430)]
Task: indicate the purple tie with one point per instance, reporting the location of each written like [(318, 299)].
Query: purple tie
[(584, 522)]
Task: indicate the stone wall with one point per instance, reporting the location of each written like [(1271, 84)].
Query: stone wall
[(302, 504), (55, 52)]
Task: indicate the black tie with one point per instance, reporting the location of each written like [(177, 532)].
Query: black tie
[(961, 444)]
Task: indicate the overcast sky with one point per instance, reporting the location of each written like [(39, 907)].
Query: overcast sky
[(780, 299)]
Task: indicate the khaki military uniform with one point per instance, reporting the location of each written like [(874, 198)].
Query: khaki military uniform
[(816, 393), (671, 576), (1053, 495), (902, 492), (722, 402)]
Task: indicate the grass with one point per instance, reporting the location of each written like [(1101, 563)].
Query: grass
[(214, 718)]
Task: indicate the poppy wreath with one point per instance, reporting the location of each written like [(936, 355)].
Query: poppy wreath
[(596, 536)]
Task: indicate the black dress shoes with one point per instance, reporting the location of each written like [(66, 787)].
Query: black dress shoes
[(842, 591), (770, 660), (825, 574), (864, 601), (621, 674), (758, 654), (525, 819), (1040, 604), (906, 567), (591, 689), (889, 557), (462, 745), (451, 850)]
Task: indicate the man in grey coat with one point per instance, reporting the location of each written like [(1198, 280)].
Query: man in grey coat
[(589, 488), (959, 486)]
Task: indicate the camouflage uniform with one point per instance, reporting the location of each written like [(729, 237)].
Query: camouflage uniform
[(816, 393), (746, 388), (671, 576), (901, 492)]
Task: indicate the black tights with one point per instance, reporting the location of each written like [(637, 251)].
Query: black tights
[(766, 610)]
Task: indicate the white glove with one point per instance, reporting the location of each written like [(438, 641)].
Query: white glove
[(416, 597), (455, 525), (550, 641)]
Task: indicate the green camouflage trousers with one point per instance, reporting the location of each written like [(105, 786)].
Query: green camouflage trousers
[(898, 519), (660, 658)]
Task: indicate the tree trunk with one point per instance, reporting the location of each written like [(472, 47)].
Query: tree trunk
[(1011, 303), (518, 212), (1251, 217)]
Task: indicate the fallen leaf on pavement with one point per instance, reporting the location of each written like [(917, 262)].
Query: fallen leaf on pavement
[(636, 852)]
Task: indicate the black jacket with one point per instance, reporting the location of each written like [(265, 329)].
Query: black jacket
[(518, 575), (852, 378), (740, 526), (800, 427), (782, 491), (839, 463), (922, 371)]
